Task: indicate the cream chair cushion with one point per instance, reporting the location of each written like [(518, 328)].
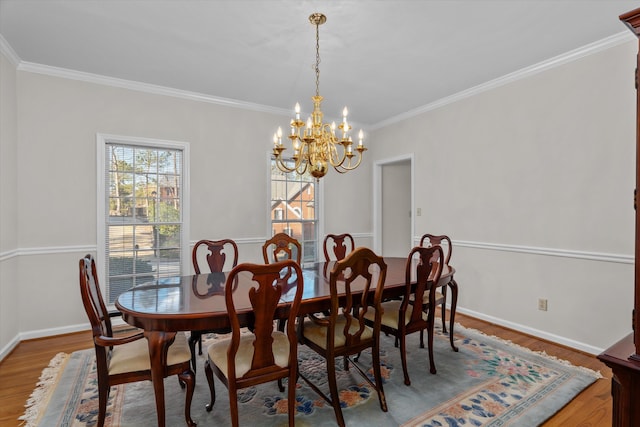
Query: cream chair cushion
[(244, 356), (134, 356), (390, 314), (318, 333), (425, 297)]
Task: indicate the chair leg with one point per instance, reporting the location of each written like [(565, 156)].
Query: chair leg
[(452, 313), (103, 397), (212, 388), (333, 390), (421, 338), (377, 373), (403, 357), (444, 309), (196, 336), (293, 374), (233, 405), (200, 345), (432, 363), (188, 378), (280, 385)]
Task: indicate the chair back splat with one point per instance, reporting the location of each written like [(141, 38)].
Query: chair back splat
[(280, 247), (337, 246), (216, 257), (444, 241)]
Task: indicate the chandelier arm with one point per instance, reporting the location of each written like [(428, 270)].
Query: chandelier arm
[(348, 166), (337, 160), (281, 165)]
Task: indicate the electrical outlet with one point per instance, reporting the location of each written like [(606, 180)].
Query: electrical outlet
[(542, 304)]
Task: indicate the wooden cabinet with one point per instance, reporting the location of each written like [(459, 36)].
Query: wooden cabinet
[(625, 384), (624, 357)]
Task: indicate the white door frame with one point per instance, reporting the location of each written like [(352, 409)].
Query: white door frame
[(377, 198)]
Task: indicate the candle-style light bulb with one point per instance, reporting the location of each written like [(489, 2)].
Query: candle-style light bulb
[(279, 133), (333, 128), (275, 139), (360, 138), (344, 113), (297, 111)]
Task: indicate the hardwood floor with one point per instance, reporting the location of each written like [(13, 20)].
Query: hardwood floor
[(19, 373)]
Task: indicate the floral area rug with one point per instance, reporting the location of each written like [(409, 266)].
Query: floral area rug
[(489, 382)]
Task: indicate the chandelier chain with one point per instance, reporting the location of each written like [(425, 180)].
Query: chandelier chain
[(317, 59)]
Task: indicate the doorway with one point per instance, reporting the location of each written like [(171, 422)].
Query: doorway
[(393, 206)]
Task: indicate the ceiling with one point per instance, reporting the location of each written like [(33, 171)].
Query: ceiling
[(381, 58)]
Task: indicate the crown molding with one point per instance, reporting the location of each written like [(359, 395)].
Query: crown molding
[(7, 50), (523, 73), (146, 87)]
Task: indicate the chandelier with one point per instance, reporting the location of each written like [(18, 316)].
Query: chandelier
[(319, 144)]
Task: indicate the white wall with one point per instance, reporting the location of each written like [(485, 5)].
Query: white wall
[(9, 291), (542, 164)]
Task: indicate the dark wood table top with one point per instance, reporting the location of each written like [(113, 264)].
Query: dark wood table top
[(196, 302)]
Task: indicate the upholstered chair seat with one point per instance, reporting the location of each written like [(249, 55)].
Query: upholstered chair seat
[(317, 333), (390, 312), (134, 356), (244, 356)]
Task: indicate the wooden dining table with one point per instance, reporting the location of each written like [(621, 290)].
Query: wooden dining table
[(168, 305)]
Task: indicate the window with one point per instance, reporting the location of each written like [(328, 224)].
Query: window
[(294, 209), (143, 230)]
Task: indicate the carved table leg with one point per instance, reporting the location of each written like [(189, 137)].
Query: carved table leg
[(159, 342)]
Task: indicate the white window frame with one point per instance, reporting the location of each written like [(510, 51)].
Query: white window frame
[(319, 201), (101, 142)]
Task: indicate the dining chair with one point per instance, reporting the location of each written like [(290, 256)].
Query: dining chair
[(125, 359), (215, 253), (399, 318), (337, 246), (344, 332), (280, 247), (444, 241), (263, 354)]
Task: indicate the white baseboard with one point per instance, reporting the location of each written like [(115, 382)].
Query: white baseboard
[(9, 347), (533, 332), (41, 333)]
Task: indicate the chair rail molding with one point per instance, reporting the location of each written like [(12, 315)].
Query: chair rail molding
[(534, 250), (566, 253)]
